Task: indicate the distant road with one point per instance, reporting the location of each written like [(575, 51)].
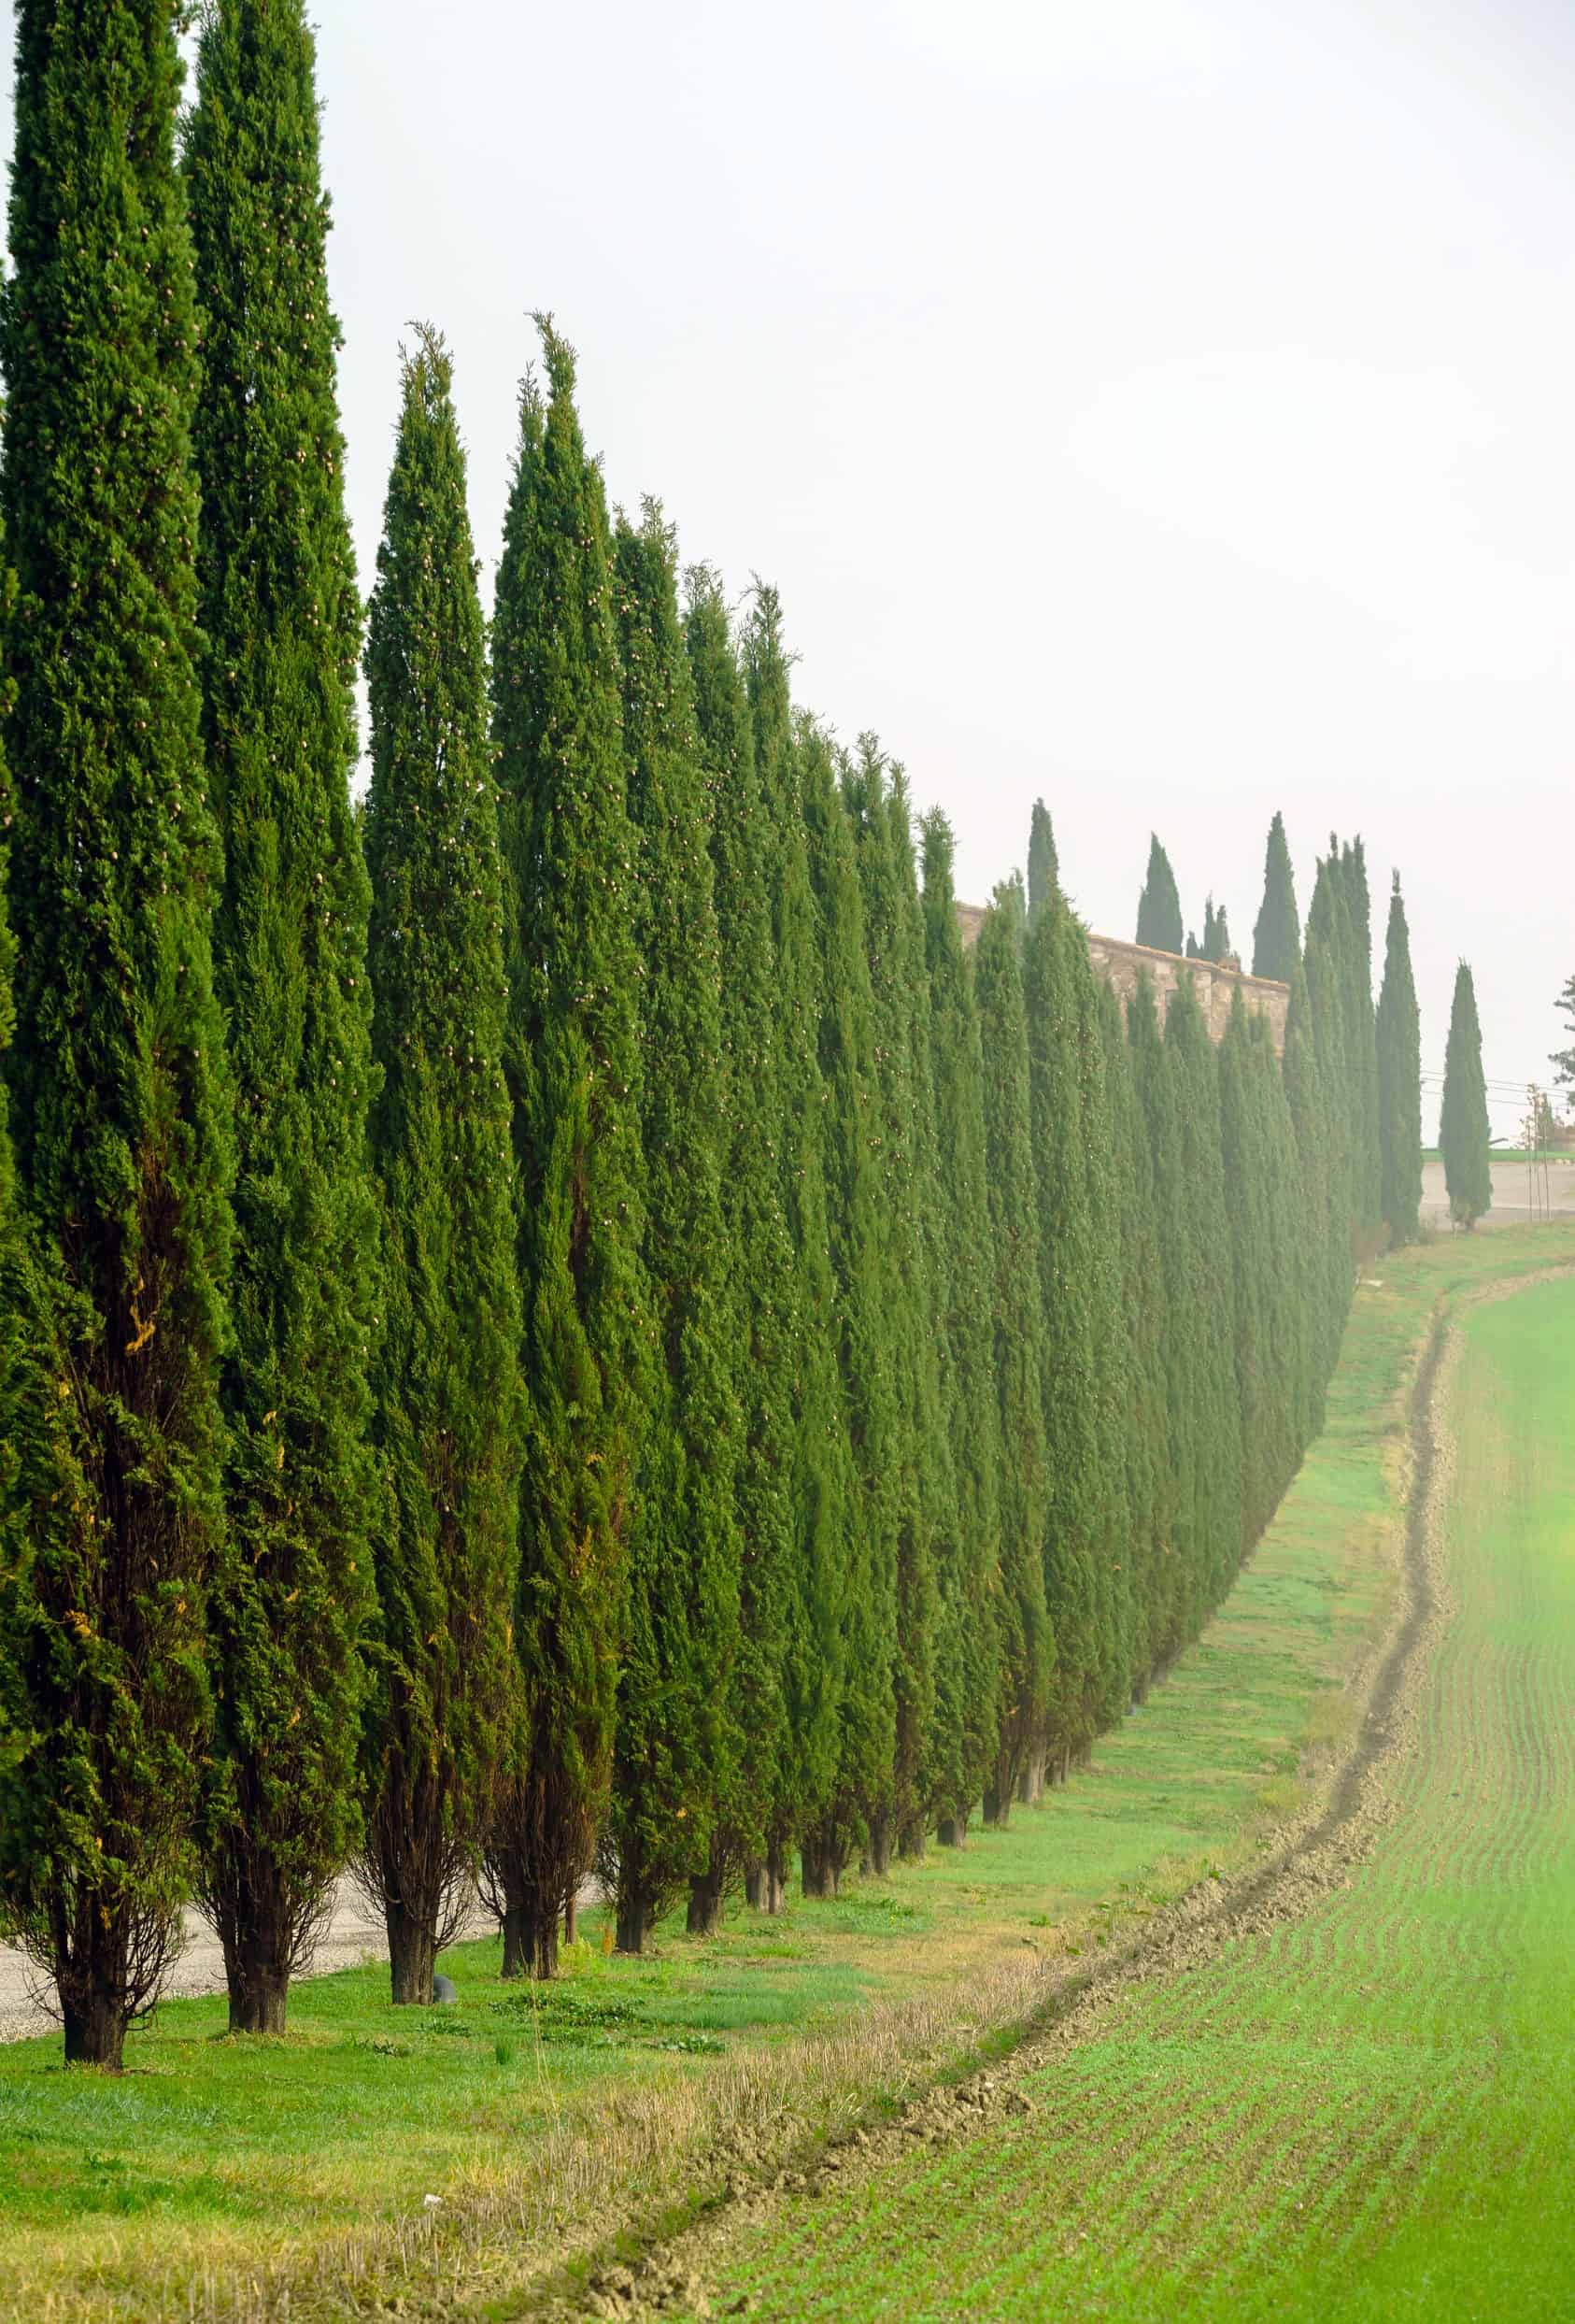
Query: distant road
[(1512, 1192)]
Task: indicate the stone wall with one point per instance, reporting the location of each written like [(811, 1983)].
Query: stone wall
[(1214, 982)]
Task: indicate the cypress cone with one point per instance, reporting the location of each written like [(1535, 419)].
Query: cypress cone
[(1400, 1081), (678, 1741), (1277, 933), (446, 1374), (574, 1072), (282, 625), (1464, 1135), (118, 1100), (1159, 915), (1044, 871)]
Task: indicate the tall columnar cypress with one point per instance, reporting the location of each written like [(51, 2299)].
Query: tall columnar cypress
[(1322, 1242), (1464, 1135), (771, 1679), (1068, 1265), (824, 1514), (1216, 933), (1363, 1037), (1331, 1012), (1025, 1646), (573, 1074), (282, 623), (1043, 870), (1399, 1080), (859, 1239), (446, 1369), (678, 1739), (1217, 1477), (1141, 1428), (1159, 914), (1262, 1339), (1277, 933), (119, 1104), (969, 1630), (1178, 1600), (904, 1150)]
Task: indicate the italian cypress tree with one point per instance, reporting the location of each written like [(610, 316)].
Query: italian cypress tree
[(1025, 1643), (823, 1484), (1069, 1267), (678, 1743), (1043, 870), (1322, 1241), (968, 1628), (771, 1672), (445, 1373), (1218, 1475), (281, 621), (1399, 1080), (923, 1475), (1277, 933), (1254, 1163), (573, 1074), (859, 1239), (1216, 933), (1159, 914), (1464, 1136), (118, 1103), (1363, 1047)]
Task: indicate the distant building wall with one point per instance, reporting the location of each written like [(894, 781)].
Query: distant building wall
[(1216, 983)]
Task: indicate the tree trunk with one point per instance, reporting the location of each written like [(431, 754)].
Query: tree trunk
[(705, 1902), (539, 1927), (776, 1877), (754, 1877), (998, 1806), (258, 1977), (412, 1956), (952, 1831), (571, 1921), (515, 1962), (95, 2030), (818, 1868), (1031, 1783), (909, 1841), (634, 1920), (880, 1845)]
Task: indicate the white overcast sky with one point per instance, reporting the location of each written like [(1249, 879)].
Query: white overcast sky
[(1164, 405)]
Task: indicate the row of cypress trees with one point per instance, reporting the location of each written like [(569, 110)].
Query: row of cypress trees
[(571, 1320)]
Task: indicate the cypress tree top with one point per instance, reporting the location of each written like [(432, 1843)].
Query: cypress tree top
[(1464, 1134), (1044, 871), (1159, 913), (1277, 933)]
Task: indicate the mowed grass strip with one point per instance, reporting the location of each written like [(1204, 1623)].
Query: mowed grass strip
[(217, 2176), (1364, 2115)]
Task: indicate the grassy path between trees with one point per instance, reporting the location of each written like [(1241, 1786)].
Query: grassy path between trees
[(1165, 2158), (1364, 2111)]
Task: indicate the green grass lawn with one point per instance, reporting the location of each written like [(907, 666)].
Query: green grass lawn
[(217, 2176), (1366, 2114)]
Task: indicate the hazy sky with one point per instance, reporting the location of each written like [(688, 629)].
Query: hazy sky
[(1167, 407)]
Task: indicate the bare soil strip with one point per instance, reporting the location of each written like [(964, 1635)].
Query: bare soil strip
[(1304, 1862)]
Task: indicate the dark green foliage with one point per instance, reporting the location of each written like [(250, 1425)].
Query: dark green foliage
[(118, 1104), (1217, 933), (1072, 1262), (1159, 915), (1044, 871), (445, 1370), (573, 1074), (1277, 933), (858, 1237), (678, 1742), (1464, 1136), (1026, 1646), (922, 1478), (282, 624), (823, 1485), (766, 1320), (972, 1623), (1400, 1081), (1217, 1527), (1363, 1051), (1261, 1191)]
